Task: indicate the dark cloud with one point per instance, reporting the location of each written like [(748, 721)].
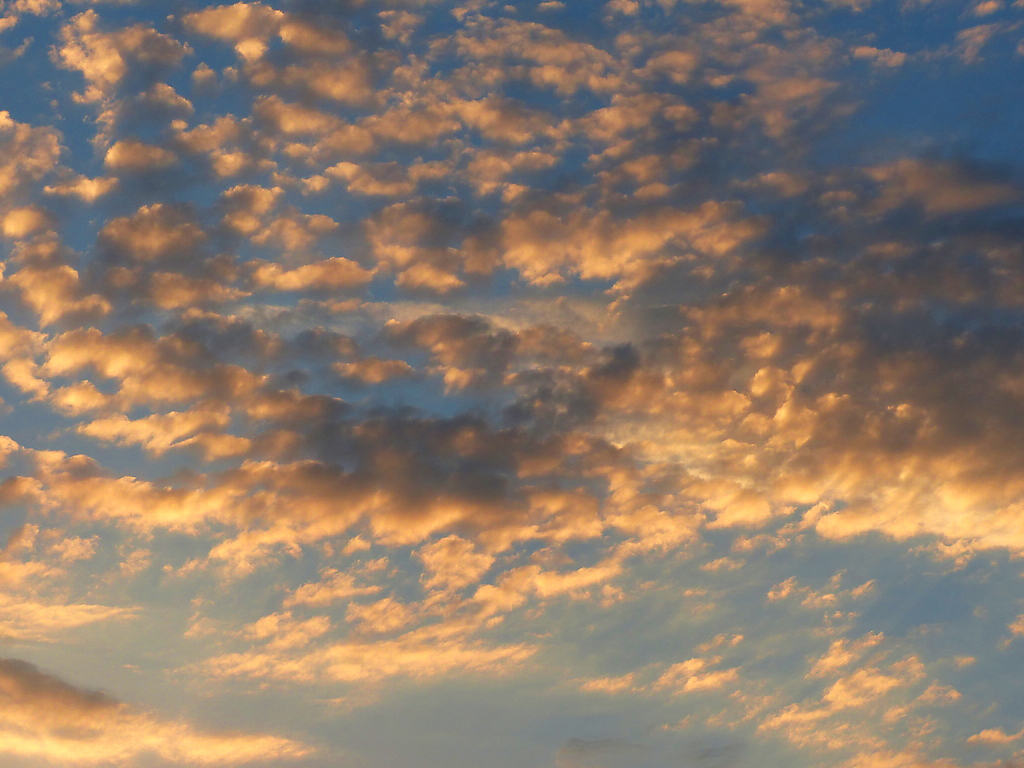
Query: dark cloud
[(601, 753)]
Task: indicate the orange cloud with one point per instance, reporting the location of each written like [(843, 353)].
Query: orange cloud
[(104, 58), (43, 717)]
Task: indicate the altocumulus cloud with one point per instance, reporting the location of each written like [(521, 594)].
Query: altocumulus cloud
[(572, 384)]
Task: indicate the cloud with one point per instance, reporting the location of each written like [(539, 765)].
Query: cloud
[(383, 616), (971, 41), (373, 370), (452, 563), (159, 432), (292, 119), (387, 179), (548, 57), (29, 154), (403, 344), (515, 586), (868, 688), (248, 25), (84, 188), (147, 370), (879, 56), (282, 630), (105, 59), (858, 689), (609, 684), (994, 736), (333, 586), (544, 247), (20, 222), (129, 155), (45, 718), (423, 653), (56, 292), (600, 753), (693, 675), (171, 290), (333, 273), (841, 653), (348, 82), (28, 619), (939, 187), (232, 146)]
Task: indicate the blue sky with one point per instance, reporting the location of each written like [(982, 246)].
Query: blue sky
[(404, 383)]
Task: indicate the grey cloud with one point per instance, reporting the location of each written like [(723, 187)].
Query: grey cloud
[(601, 753)]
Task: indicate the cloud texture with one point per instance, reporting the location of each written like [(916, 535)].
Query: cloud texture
[(644, 374)]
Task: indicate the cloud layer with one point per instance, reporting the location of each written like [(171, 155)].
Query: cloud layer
[(648, 369)]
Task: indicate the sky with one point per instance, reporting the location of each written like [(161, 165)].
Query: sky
[(430, 384)]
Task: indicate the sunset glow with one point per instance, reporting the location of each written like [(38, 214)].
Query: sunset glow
[(418, 384)]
